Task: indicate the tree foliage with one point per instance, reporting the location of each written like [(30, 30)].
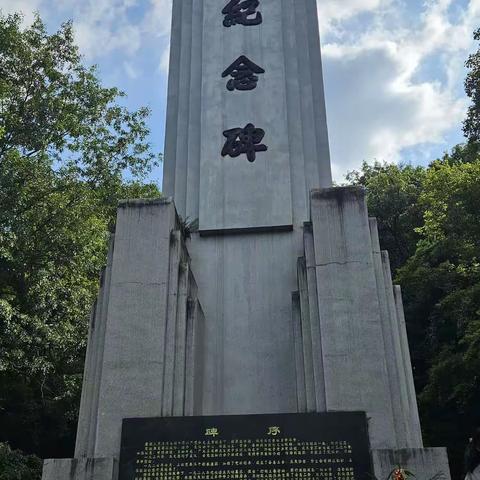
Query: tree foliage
[(393, 194), (433, 213), (429, 219), (471, 125), (442, 294), (14, 465), (66, 145)]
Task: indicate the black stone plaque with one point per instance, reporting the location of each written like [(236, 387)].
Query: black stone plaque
[(320, 446)]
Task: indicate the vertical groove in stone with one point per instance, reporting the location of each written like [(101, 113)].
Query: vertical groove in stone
[(318, 95), (195, 114), (198, 360), (183, 113), (84, 415), (401, 394), (102, 328), (171, 132), (355, 373), (173, 277), (306, 335), (414, 418), (311, 158), (390, 353), (298, 345), (316, 332), (294, 116), (190, 356), (87, 419), (181, 339)]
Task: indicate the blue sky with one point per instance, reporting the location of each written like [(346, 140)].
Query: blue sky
[(393, 69)]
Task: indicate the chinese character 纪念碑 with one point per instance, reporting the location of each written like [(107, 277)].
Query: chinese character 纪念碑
[(211, 432), (239, 11), (243, 72), (273, 431), (244, 140)]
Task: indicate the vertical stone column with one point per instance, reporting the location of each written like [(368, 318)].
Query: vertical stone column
[(358, 318), (353, 349), (143, 282), (145, 340)]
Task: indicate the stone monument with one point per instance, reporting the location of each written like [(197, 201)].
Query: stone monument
[(280, 301)]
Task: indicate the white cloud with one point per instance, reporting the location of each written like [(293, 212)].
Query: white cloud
[(104, 26), (378, 103), (130, 70), (27, 7), (393, 81), (159, 17), (165, 61), (334, 11)]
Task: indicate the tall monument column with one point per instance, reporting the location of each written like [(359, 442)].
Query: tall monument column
[(286, 100), (252, 288), (229, 69), (258, 63)]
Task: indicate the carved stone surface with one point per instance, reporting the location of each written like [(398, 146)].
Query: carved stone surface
[(326, 445), (244, 74), (145, 331), (287, 103), (246, 141), (242, 12)]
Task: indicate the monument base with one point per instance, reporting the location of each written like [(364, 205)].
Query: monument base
[(424, 463), (147, 346)]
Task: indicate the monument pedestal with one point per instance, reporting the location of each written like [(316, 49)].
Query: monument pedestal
[(147, 354)]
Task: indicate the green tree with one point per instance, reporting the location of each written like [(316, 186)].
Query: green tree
[(433, 214), (471, 125), (441, 284), (14, 465), (66, 146), (392, 197)]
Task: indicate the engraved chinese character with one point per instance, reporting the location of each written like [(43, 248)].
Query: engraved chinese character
[(211, 432), (241, 11), (273, 431), (244, 140), (243, 72)]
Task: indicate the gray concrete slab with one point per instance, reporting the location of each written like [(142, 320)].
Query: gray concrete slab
[(356, 376), (245, 284), (80, 469), (414, 419), (315, 326), (299, 357), (306, 330), (392, 348)]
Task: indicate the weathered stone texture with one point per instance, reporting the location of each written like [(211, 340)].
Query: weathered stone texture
[(143, 357), (80, 469), (352, 326)]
